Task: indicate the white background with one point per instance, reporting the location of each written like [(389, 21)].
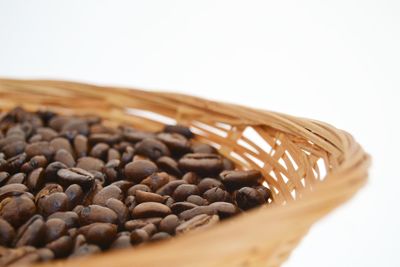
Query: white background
[(336, 61)]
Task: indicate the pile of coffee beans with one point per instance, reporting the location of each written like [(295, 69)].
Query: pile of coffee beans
[(73, 186)]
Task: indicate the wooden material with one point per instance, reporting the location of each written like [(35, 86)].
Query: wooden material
[(310, 166)]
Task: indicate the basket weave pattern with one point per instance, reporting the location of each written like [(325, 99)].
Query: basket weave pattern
[(311, 167)]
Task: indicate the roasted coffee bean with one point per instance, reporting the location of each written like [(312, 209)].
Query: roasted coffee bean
[(111, 170), (75, 195), (179, 207), (189, 214), (200, 221), (180, 129), (142, 196), (156, 180), (216, 194), (169, 201), (48, 189), (139, 170), (142, 187), (191, 178), (170, 187), (34, 163), (57, 122), (160, 236), (54, 202), (175, 142), (203, 148), (7, 233), (197, 200), (90, 164), (139, 236), (81, 145), (127, 155), (31, 232), (52, 169), (61, 247), (65, 157), (18, 178), (124, 241), (17, 210), (96, 213), (208, 183), (169, 223), (201, 163), (185, 190), (4, 176), (107, 138), (78, 126), (266, 192), (106, 193), (101, 234), (150, 228), (61, 143), (54, 229), (75, 176), (224, 209), (100, 151), (13, 149), (247, 198), (139, 223), (70, 218), (124, 185), (119, 208), (236, 179), (39, 148), (46, 133), (12, 165), (169, 165), (13, 187), (113, 154), (150, 209), (152, 148), (35, 179)]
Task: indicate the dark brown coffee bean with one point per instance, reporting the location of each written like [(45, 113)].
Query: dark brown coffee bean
[(119, 208), (90, 164), (54, 202), (4, 176), (75, 195), (7, 233), (65, 157), (81, 145), (139, 223), (247, 198), (156, 180), (150, 209), (34, 163), (111, 170), (17, 210), (191, 178), (179, 207), (57, 122), (203, 148), (40, 148), (106, 193), (150, 228), (101, 234), (113, 154), (185, 190), (18, 178), (76, 125), (208, 183), (61, 247), (100, 151), (228, 164), (201, 163), (96, 213), (175, 142), (180, 129), (197, 200), (107, 138), (170, 187), (236, 179), (47, 133), (136, 136), (13, 149), (152, 148), (54, 229), (75, 176), (35, 179), (70, 218), (169, 165), (139, 236), (127, 155), (132, 190), (139, 170), (124, 241), (189, 214), (85, 250), (142, 196), (13, 187), (12, 165), (216, 194), (266, 192), (200, 221), (169, 223), (160, 236), (61, 143), (52, 169), (31, 232), (47, 190), (224, 209)]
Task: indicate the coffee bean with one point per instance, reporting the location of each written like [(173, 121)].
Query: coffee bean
[(200, 221), (139, 170), (119, 208), (17, 210), (100, 151), (197, 200), (216, 194), (35, 179), (142, 187), (179, 207), (169, 165), (123, 241), (139, 236), (136, 136), (106, 193), (111, 170), (57, 122), (18, 178), (61, 247), (54, 202), (127, 156), (139, 223), (7, 233), (39, 148), (107, 138), (101, 234), (247, 198), (156, 180), (76, 125), (75, 195), (70, 218), (180, 129), (150, 209), (113, 154), (236, 179), (4, 176), (46, 133), (201, 163), (170, 187), (29, 234), (47, 190), (13, 149), (75, 176), (185, 190), (169, 223), (52, 169), (224, 209), (54, 229), (191, 178), (96, 213), (81, 145), (150, 228), (203, 148), (12, 165), (208, 183), (189, 214), (175, 142), (142, 196), (90, 164), (152, 148), (266, 192), (34, 163), (61, 143), (123, 185), (65, 157)]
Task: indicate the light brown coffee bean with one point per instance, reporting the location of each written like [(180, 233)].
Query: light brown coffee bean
[(150, 209)]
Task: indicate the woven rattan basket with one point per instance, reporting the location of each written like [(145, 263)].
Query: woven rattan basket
[(310, 166)]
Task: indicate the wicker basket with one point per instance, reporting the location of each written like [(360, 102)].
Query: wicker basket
[(310, 166)]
